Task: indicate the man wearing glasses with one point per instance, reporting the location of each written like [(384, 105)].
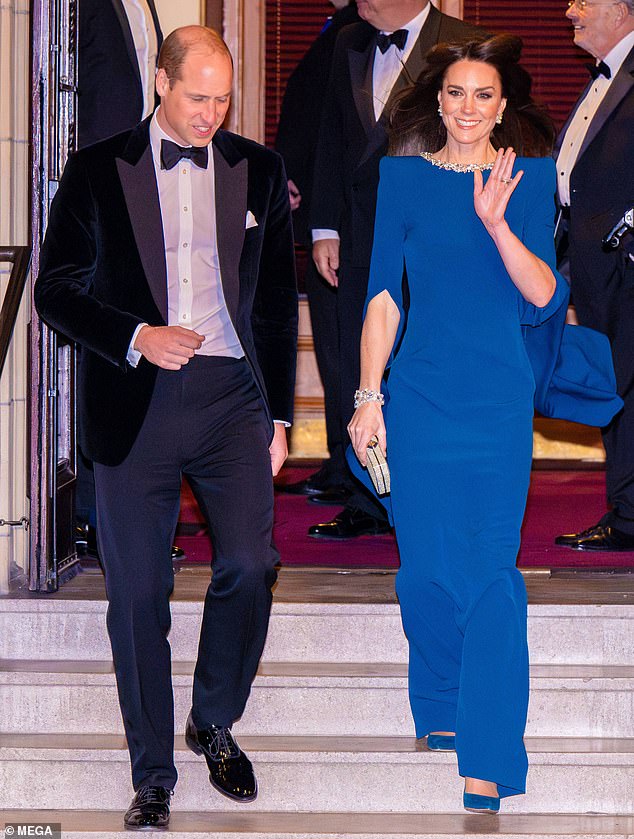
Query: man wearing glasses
[(595, 171)]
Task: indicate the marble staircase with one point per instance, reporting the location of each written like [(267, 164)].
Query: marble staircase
[(327, 727)]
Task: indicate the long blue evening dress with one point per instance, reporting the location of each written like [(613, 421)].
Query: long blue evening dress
[(459, 446)]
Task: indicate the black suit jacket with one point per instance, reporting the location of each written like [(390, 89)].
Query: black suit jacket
[(102, 272), (351, 142), (601, 189), (109, 91), (298, 128)]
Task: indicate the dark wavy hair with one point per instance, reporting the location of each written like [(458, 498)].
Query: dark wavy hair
[(414, 123)]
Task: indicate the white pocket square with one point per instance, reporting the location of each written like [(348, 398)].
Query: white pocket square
[(251, 220)]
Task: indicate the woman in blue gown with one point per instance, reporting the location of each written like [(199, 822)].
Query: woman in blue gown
[(472, 225)]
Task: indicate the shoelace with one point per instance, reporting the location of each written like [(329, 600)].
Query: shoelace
[(222, 744), (153, 795)]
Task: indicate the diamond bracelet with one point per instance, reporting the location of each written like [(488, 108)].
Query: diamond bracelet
[(367, 395)]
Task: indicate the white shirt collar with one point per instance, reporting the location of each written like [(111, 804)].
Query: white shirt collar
[(414, 27), (619, 53)]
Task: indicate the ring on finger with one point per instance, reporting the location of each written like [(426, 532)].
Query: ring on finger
[(506, 180)]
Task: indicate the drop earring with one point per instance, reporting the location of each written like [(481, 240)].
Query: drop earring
[(440, 111), (498, 118)]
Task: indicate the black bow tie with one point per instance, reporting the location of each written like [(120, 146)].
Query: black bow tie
[(600, 69), (398, 38), (171, 153)]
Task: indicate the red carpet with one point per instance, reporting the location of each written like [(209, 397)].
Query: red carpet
[(558, 502)]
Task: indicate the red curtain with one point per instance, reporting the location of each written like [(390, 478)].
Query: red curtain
[(291, 27)]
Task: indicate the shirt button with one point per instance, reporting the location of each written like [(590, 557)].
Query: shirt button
[(185, 280), (184, 317), (184, 171), (185, 245), (185, 209)]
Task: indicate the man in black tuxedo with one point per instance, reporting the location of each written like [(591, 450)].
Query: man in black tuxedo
[(595, 172), (373, 60), (169, 258), (118, 45), (117, 48), (296, 141)]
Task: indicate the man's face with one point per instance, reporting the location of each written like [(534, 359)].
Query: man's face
[(193, 107), (594, 26), (389, 14)]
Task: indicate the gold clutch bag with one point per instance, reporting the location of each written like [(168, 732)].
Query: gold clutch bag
[(377, 467)]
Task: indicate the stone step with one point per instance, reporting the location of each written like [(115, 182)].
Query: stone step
[(75, 629), (318, 774), (107, 824), (348, 699)]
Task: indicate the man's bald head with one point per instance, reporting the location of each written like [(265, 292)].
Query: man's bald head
[(186, 39)]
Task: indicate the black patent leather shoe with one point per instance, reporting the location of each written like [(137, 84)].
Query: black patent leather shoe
[(333, 497), (230, 770), (149, 810), (349, 524), (86, 542), (601, 537)]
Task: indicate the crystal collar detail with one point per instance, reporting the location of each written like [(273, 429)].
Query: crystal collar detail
[(456, 167)]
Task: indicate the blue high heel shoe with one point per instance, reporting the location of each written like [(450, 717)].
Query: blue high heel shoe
[(480, 803), (441, 742)]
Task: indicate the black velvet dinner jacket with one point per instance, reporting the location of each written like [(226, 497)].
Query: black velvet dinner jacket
[(352, 142), (103, 272), (601, 189)]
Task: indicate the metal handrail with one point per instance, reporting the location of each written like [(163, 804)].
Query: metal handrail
[(20, 257)]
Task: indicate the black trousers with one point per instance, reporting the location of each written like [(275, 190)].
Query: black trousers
[(618, 437), (205, 421), (322, 301), (351, 294)]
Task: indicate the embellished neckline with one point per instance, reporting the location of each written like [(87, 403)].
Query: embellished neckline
[(456, 167)]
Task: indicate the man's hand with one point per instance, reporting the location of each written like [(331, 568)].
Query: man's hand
[(169, 347), (278, 448), (326, 258), (294, 195)]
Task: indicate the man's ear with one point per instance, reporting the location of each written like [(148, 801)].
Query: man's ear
[(162, 82)]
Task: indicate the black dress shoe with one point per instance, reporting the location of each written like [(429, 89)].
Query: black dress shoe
[(230, 770), (86, 542), (312, 485), (333, 497), (348, 524), (601, 537), (149, 810)]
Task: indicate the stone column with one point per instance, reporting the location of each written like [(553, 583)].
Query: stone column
[(14, 203)]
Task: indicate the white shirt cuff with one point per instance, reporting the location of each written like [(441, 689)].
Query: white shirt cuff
[(134, 356), (283, 422), (324, 233)]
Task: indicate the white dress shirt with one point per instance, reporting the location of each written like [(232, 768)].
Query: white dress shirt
[(195, 299), (386, 70), (146, 46), (576, 132)]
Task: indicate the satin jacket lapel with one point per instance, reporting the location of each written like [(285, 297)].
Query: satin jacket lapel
[(620, 87), (413, 67), (157, 25), (361, 63), (138, 180), (231, 173), (117, 5)]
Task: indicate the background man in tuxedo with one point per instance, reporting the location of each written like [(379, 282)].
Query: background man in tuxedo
[(169, 258), (119, 41), (595, 171), (296, 141), (369, 68)]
